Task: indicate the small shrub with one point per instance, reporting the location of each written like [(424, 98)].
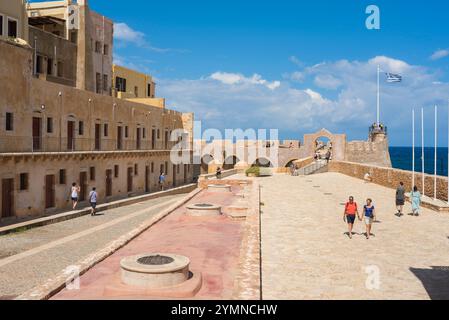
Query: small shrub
[(253, 171)]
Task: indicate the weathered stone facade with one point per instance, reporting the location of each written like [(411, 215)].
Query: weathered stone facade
[(52, 135)]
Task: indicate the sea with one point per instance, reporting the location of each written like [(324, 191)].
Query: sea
[(401, 158)]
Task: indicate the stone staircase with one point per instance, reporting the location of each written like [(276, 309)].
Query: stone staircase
[(315, 167)]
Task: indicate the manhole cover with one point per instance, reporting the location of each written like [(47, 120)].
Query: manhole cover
[(155, 260), (328, 194)]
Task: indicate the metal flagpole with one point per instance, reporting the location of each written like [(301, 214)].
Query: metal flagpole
[(435, 160), (378, 95), (413, 151), (422, 151), (448, 155)]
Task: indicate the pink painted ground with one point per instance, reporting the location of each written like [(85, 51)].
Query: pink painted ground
[(212, 244)]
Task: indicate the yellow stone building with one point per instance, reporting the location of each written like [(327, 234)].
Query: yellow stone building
[(130, 84)]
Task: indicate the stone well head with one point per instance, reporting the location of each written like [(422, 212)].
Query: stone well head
[(155, 270)]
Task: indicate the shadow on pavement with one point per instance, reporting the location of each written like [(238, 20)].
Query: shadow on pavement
[(435, 281)]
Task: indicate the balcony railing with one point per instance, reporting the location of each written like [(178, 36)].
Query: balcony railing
[(18, 144)]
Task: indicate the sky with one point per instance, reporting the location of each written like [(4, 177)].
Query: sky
[(296, 66)]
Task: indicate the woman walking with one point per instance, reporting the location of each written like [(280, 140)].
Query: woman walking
[(74, 195), (370, 216), (415, 196), (349, 214)]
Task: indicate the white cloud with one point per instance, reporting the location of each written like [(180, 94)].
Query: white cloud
[(237, 78), (296, 61), (123, 32), (232, 100), (327, 81), (439, 54)]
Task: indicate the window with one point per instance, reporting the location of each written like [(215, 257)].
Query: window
[(136, 91), (177, 168), (39, 64), (73, 36), (144, 133), (60, 69), (106, 130), (149, 90), (106, 50), (166, 167), (126, 131), (49, 125), (152, 167), (81, 128), (1, 25), (98, 83), (162, 168), (120, 84), (9, 121), (92, 173), (136, 169), (12, 28), (97, 46), (105, 82), (158, 133), (50, 66), (23, 181), (116, 171), (62, 176)]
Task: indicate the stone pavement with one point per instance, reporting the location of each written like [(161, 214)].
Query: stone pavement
[(32, 257), (305, 254)]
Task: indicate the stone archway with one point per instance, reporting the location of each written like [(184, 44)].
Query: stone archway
[(338, 142), (230, 162)]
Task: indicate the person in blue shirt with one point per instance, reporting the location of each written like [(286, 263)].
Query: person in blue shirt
[(162, 180), (370, 216), (415, 196)]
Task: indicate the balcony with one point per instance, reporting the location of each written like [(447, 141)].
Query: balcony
[(18, 144)]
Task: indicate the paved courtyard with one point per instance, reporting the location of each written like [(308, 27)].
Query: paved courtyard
[(34, 256), (305, 254)]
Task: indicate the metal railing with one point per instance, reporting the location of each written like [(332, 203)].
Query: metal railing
[(313, 167), (20, 144)]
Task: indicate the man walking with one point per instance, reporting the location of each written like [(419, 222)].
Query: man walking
[(400, 198), (93, 201)]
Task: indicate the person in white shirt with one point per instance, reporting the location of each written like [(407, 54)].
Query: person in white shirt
[(74, 195)]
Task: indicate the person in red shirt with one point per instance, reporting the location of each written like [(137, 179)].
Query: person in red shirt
[(349, 215)]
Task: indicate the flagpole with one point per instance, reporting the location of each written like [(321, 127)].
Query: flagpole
[(413, 151), (378, 95), (435, 159), (448, 156), (422, 152)]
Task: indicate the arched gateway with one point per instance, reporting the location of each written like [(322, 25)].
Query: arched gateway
[(337, 141)]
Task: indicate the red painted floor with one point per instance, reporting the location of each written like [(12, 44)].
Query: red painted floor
[(212, 244)]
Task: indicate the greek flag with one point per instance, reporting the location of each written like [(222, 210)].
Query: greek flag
[(391, 77)]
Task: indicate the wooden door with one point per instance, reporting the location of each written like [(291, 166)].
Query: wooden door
[(97, 136), (119, 137), (108, 183), (153, 139), (185, 173), (147, 179), (37, 134), (130, 179), (70, 135), (7, 198), (49, 191), (83, 186), (138, 138)]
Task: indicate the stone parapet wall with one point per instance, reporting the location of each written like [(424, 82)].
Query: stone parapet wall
[(389, 177), (373, 153)]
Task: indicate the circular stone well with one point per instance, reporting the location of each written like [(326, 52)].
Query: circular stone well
[(155, 270), (203, 209), (219, 188)]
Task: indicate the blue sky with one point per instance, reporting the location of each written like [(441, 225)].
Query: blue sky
[(293, 65)]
